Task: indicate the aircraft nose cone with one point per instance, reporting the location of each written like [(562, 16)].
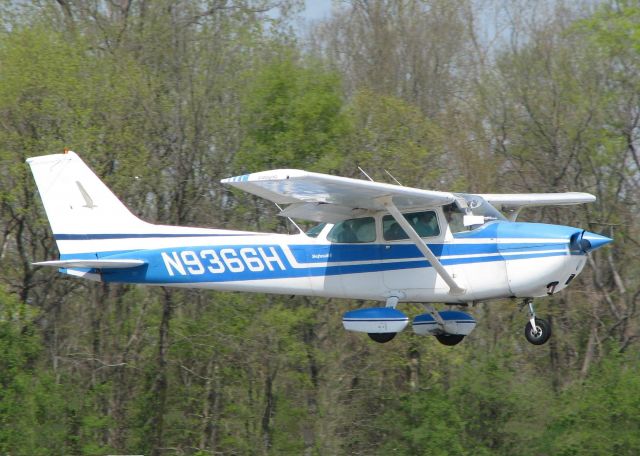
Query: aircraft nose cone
[(595, 240)]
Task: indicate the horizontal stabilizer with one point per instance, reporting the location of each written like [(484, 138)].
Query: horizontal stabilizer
[(92, 264)]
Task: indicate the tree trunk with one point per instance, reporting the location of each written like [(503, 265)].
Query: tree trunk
[(160, 386)]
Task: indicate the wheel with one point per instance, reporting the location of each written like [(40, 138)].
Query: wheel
[(382, 338), (449, 339), (541, 333)]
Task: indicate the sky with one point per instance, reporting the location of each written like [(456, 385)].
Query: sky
[(316, 9)]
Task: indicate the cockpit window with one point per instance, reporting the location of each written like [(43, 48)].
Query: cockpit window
[(315, 230), (353, 231), (425, 223)]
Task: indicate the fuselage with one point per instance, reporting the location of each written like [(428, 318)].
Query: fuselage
[(497, 260)]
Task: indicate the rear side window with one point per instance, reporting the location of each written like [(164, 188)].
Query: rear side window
[(314, 231), (425, 223), (353, 231)]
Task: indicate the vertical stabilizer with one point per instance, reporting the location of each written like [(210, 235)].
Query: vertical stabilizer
[(77, 202)]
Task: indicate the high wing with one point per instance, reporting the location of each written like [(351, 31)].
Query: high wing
[(326, 198)]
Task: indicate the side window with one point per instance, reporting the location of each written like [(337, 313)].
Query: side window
[(353, 231), (391, 230), (314, 231), (425, 223)]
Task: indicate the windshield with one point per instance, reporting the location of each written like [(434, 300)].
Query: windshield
[(481, 212)]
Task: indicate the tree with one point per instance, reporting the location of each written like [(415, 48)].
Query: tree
[(423, 422), (391, 134), (598, 416), (412, 50), (293, 117), (32, 406)]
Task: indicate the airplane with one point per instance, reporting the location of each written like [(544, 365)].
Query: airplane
[(374, 241)]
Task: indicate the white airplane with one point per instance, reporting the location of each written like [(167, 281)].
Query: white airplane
[(374, 241)]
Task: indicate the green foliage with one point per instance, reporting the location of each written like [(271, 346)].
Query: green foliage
[(614, 29), (53, 90), (423, 422), (293, 117), (31, 403), (600, 415), (389, 133), (486, 391)]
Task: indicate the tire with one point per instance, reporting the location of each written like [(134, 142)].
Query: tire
[(449, 339), (538, 337), (382, 338)]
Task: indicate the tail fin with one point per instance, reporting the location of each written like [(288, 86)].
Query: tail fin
[(77, 202)]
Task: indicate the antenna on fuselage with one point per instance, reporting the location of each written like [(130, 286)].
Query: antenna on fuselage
[(290, 219), (391, 176)]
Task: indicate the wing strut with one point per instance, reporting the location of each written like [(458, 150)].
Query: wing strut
[(422, 246)]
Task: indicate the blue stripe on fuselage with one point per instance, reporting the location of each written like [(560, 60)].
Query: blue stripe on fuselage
[(335, 253), (338, 253), (254, 262)]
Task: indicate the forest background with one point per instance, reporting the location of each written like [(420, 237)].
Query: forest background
[(164, 98)]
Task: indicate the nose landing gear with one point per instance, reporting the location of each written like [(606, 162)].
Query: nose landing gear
[(537, 331)]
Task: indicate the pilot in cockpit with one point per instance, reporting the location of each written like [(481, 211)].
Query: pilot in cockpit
[(454, 217), (426, 224)]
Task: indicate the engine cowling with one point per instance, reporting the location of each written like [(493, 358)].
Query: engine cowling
[(455, 322), (375, 320)]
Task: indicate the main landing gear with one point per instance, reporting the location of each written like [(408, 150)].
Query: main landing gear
[(537, 330), (382, 338), (383, 323), (449, 339)]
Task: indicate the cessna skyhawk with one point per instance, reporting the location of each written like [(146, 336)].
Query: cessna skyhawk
[(374, 241)]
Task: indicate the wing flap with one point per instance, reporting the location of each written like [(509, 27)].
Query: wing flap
[(92, 264)]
